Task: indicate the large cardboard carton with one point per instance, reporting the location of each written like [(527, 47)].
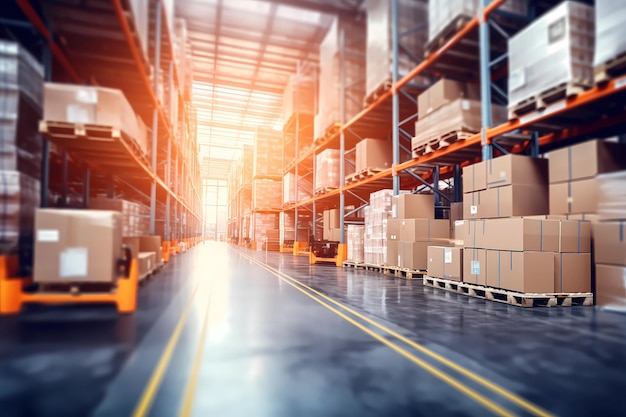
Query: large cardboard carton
[(475, 177), (475, 206), (610, 243), (133, 244), (146, 263), (574, 236), (413, 230), (413, 255), (574, 197), (394, 226), (521, 234), (514, 200), (151, 244), (443, 92), (466, 231), (530, 272), (334, 218), (445, 262), (77, 246), (373, 153), (335, 235), (586, 160), (516, 169), (572, 272), (413, 206), (392, 252), (492, 268), (475, 266), (612, 196), (611, 286)]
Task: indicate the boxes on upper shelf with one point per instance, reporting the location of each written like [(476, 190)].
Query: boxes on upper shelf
[(327, 170), (373, 154), (443, 92), (610, 39), (514, 169)]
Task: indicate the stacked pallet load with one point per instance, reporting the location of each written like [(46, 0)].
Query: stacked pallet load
[(331, 222), (288, 229), (292, 195), (609, 58), (376, 216), (328, 117), (560, 63), (448, 111), (412, 230), (135, 216), (327, 170), (356, 241), (412, 18), (21, 85), (371, 157)]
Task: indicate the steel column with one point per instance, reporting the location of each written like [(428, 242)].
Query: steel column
[(395, 42), (168, 202), (458, 184), (45, 151), (64, 174), (436, 186), (86, 186), (155, 117), (342, 139), (485, 80)]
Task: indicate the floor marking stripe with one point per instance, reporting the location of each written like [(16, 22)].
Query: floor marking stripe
[(487, 403), (144, 404)]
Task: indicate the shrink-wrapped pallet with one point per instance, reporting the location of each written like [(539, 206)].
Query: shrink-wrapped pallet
[(356, 235), (290, 194), (260, 224), (268, 153), (267, 194), (610, 30), (327, 170), (247, 165), (299, 96)]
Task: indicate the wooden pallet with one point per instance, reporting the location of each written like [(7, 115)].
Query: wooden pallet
[(366, 173), (511, 297), (324, 190), (378, 92), (548, 97), (330, 131), (613, 68), (440, 142), (405, 273), (355, 265), (446, 34)]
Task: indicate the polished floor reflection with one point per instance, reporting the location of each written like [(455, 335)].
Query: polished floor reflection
[(229, 332)]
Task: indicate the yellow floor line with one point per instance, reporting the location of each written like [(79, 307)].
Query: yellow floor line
[(532, 408)]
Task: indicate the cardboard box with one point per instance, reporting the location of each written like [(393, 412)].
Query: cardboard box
[(475, 177), (586, 160), (334, 218), (413, 206), (574, 197), (514, 200), (151, 244), (474, 206), (146, 263), (443, 92), (572, 272), (394, 226), (465, 231), (413, 255), (521, 234), (392, 252), (610, 243), (373, 153), (133, 244), (612, 196), (74, 246), (574, 236), (475, 266), (611, 286), (515, 169), (413, 230), (492, 268), (529, 272), (335, 235), (445, 262)]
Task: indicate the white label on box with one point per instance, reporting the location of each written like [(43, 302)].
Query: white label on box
[(475, 267), (465, 105), (77, 113), (73, 263), (459, 222), (447, 256), (517, 79), (47, 235), (503, 175), (473, 209), (87, 96)]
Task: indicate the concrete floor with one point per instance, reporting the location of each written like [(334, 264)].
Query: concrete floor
[(217, 333)]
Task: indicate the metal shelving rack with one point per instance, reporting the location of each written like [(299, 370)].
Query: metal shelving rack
[(576, 117)]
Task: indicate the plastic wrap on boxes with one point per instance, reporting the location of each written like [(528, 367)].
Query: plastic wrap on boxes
[(135, 216), (267, 194), (247, 165), (610, 30), (356, 235), (612, 196), (260, 224), (458, 116), (375, 237), (19, 70), (268, 153), (442, 13), (290, 195), (562, 52), (94, 106), (411, 14), (298, 96), (327, 169), (330, 75)]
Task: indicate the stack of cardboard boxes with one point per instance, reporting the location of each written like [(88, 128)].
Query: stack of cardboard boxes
[(376, 217), (412, 229), (327, 170), (287, 228), (135, 216), (373, 154), (331, 222), (356, 235), (291, 194), (262, 225)]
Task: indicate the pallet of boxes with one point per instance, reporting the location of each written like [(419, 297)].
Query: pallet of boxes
[(513, 251), (410, 232)]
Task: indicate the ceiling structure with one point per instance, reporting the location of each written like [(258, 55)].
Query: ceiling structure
[(243, 54)]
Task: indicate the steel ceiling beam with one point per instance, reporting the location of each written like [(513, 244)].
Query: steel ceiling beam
[(316, 6)]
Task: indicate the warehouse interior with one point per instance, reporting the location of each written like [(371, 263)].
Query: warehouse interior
[(312, 207)]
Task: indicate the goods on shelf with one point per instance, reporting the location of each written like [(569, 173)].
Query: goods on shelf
[(330, 73), (21, 90), (299, 96), (558, 65), (268, 151), (574, 171), (135, 216), (411, 14), (610, 40), (373, 154), (445, 16), (247, 165), (77, 246), (445, 262), (290, 194), (97, 106), (327, 167), (266, 194), (331, 222), (261, 225), (287, 228), (355, 235), (444, 92)]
